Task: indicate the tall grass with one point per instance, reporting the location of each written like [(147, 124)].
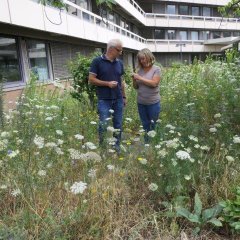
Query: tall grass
[(57, 184)]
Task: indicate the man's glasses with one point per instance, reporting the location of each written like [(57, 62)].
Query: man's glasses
[(119, 50)]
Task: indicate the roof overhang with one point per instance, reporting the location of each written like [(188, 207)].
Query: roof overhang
[(222, 41)]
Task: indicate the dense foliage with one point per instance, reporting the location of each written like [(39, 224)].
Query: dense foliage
[(56, 183)]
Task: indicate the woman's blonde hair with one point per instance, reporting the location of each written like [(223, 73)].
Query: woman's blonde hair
[(146, 53)]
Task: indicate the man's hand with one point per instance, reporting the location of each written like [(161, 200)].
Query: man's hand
[(112, 84)]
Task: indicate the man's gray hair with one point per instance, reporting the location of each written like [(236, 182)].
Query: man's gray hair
[(114, 43)]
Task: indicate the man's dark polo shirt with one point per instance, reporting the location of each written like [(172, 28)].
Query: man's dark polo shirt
[(105, 70)]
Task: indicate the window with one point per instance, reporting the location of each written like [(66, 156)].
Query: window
[(38, 61), (9, 60), (236, 34), (83, 4), (216, 34), (194, 35), (195, 11), (171, 34), (183, 10), (206, 35), (206, 12), (183, 35), (226, 34), (171, 9), (159, 34)]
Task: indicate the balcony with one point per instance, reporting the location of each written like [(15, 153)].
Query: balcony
[(203, 2), (86, 25), (133, 9), (194, 22), (168, 46)]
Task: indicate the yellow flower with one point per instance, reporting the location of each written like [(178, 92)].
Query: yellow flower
[(121, 173), (140, 159), (121, 158), (128, 143)]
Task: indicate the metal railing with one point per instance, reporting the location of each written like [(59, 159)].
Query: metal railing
[(191, 17), (104, 23)]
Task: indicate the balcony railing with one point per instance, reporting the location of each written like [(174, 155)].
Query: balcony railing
[(187, 21), (90, 17), (161, 45)]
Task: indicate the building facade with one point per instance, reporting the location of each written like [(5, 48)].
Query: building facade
[(42, 39)]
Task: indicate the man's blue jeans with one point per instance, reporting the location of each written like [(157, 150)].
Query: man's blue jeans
[(103, 110), (149, 114)]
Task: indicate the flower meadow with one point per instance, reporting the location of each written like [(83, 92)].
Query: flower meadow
[(57, 183)]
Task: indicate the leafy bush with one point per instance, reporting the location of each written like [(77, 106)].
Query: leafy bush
[(79, 68), (231, 211), (199, 216)]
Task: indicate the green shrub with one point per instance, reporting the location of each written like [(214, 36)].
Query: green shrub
[(79, 69), (231, 211)]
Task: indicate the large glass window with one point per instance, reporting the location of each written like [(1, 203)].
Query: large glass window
[(183, 35), (206, 11), (9, 60), (216, 34), (183, 10), (226, 34), (194, 35), (206, 35), (236, 34), (171, 34), (159, 34), (38, 61), (171, 9), (195, 11)]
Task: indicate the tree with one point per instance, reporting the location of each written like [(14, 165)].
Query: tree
[(232, 9)]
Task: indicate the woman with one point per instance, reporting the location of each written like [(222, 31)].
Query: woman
[(146, 81)]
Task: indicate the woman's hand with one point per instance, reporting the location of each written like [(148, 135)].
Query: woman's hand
[(136, 76)]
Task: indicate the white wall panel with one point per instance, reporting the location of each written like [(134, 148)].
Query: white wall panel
[(26, 13), (4, 11)]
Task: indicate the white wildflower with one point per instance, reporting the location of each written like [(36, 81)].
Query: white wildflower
[(170, 126), (78, 187), (5, 134), (3, 187), (13, 154), (110, 129), (129, 119), (111, 110), (91, 156), (236, 139), (205, 148), (217, 115), (183, 155), (153, 187), (90, 145), (193, 138), (230, 158), (51, 145), (110, 167), (217, 125), (59, 132), (162, 153), (39, 141), (212, 130), (42, 173), (187, 177), (92, 173), (93, 123), (15, 192), (142, 160), (79, 136), (74, 154), (59, 151), (49, 118)]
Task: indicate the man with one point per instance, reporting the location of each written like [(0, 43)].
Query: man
[(106, 73)]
